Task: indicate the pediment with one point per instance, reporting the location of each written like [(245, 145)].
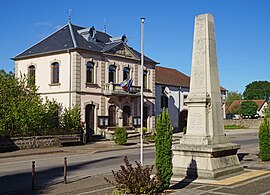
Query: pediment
[(122, 51)]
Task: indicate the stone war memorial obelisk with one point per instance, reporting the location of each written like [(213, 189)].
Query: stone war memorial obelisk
[(204, 151)]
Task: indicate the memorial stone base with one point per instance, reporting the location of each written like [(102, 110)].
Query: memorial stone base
[(205, 161)]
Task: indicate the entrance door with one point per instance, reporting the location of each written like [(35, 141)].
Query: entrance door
[(112, 116), (89, 119), (145, 116), (126, 115)]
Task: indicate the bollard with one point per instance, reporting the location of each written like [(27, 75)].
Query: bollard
[(33, 175), (65, 170)]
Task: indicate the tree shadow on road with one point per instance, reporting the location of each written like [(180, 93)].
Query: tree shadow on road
[(22, 182), (191, 175)]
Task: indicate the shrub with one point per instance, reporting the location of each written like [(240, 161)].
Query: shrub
[(138, 180), (264, 140), (71, 120), (120, 136), (163, 143)]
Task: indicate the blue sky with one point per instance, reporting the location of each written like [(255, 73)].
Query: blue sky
[(242, 31)]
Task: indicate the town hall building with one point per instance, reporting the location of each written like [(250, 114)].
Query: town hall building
[(84, 67)]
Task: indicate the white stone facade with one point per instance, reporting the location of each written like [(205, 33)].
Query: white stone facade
[(73, 89)]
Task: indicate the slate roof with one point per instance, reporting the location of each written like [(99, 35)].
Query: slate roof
[(68, 37), (235, 103), (173, 77)]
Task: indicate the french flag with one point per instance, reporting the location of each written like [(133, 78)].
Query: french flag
[(126, 84)]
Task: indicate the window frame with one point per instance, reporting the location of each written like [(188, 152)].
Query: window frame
[(145, 79), (112, 73), (91, 74), (55, 73), (32, 73), (126, 73)]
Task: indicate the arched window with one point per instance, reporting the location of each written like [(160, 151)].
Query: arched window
[(89, 72), (126, 73), (145, 79), (32, 73), (112, 72), (55, 72)]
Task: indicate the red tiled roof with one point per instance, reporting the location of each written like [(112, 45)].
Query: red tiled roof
[(237, 102), (172, 77)]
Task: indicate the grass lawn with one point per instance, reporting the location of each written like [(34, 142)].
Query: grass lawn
[(231, 127)]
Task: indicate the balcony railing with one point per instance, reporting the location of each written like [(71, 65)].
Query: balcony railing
[(116, 89)]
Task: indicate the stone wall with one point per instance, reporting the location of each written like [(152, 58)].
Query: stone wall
[(248, 123), (16, 143)]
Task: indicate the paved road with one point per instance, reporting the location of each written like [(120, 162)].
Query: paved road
[(49, 168), (15, 173)]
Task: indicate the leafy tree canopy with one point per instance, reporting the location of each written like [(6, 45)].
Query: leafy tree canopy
[(231, 96), (23, 113), (257, 90), (248, 108)]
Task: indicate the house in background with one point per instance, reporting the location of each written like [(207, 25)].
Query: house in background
[(172, 88), (233, 111), (84, 66)]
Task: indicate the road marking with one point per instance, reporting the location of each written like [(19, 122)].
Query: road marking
[(94, 191), (240, 178)]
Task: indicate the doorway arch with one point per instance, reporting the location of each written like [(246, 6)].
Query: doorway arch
[(126, 115), (89, 120)]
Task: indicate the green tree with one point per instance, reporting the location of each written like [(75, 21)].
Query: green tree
[(163, 143), (257, 90), (248, 108), (264, 140), (21, 110), (231, 96), (51, 119), (71, 120)]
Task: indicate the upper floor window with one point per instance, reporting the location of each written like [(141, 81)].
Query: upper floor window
[(32, 74), (89, 72), (112, 73), (55, 72), (126, 73), (164, 101), (145, 79)]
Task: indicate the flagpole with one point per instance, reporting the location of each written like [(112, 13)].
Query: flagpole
[(142, 66)]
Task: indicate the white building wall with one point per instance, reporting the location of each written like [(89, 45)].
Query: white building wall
[(44, 75)]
